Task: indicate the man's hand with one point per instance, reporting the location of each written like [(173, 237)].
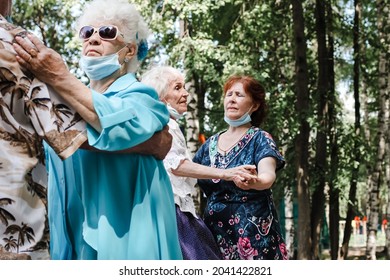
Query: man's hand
[(158, 145)]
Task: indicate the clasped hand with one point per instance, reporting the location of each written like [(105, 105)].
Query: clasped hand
[(243, 176)]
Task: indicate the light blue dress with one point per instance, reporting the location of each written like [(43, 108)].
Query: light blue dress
[(111, 205)]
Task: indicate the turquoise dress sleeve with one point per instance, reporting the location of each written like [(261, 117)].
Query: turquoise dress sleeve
[(116, 205), (128, 116)]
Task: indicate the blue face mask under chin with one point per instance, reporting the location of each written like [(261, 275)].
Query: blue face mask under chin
[(174, 113), (246, 118), (101, 67)]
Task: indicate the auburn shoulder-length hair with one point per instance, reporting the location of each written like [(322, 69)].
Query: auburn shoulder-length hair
[(256, 90)]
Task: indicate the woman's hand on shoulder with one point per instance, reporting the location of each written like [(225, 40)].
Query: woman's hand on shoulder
[(43, 62)]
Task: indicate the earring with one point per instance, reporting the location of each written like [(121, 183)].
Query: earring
[(126, 60)]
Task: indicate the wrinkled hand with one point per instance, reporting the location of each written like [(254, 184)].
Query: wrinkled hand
[(243, 172), (242, 176), (245, 184), (43, 62)]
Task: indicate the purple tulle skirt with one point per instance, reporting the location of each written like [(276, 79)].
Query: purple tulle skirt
[(196, 240)]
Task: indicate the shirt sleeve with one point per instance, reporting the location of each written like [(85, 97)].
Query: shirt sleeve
[(202, 153), (178, 152), (267, 148), (128, 118)]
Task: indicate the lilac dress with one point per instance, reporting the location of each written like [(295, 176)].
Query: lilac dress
[(245, 224)]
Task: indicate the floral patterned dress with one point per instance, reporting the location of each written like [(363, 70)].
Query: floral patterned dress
[(245, 224)]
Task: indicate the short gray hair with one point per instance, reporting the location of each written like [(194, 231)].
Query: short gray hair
[(120, 13), (159, 77)]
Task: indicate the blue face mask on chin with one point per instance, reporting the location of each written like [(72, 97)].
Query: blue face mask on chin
[(246, 118), (174, 113), (101, 67)]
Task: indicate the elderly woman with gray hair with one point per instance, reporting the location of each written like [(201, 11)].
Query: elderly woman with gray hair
[(105, 204), (196, 240)]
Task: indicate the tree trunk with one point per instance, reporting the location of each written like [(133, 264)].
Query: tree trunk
[(192, 117), (192, 123), (289, 220), (373, 213), (334, 192), (386, 33), (383, 126), (302, 140), (279, 43), (356, 161), (192, 127), (318, 198)]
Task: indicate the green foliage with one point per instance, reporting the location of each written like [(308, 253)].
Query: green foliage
[(52, 21), (210, 40)]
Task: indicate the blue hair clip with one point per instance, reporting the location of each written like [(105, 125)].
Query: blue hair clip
[(142, 49)]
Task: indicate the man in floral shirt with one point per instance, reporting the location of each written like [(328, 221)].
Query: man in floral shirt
[(29, 113)]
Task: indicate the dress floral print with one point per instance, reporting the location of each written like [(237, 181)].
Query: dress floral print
[(244, 223)]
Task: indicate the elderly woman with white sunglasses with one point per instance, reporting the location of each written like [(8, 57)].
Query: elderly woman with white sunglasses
[(107, 204)]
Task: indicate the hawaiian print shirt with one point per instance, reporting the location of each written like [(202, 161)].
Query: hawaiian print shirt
[(30, 112)]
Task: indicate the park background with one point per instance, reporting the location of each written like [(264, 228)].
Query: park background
[(325, 67)]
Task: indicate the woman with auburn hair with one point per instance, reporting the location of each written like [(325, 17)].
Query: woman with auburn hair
[(242, 217)]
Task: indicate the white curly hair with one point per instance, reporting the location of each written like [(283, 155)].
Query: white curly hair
[(159, 78), (120, 13)]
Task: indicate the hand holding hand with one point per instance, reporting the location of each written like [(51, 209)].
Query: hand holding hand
[(242, 175), (265, 176), (245, 184)]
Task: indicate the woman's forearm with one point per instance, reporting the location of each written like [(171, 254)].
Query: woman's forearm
[(194, 170), (266, 174), (190, 169)]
